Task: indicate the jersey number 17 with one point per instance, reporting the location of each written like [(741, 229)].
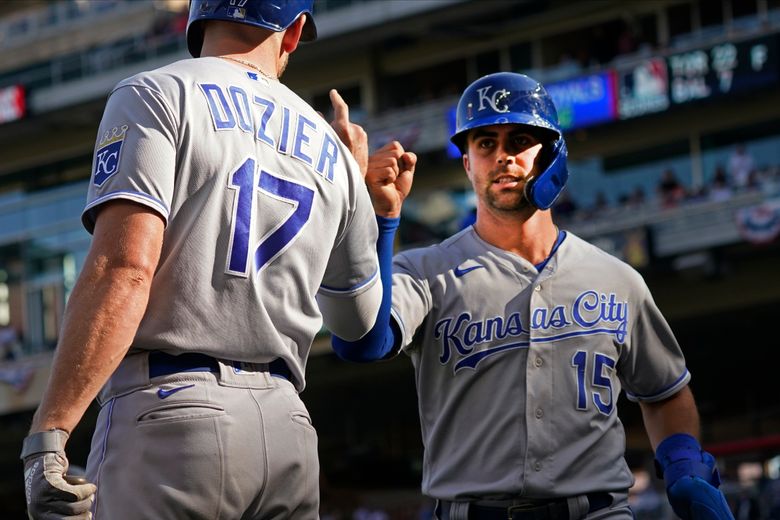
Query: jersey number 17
[(244, 182)]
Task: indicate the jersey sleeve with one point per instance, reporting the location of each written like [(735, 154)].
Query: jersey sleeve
[(350, 293), (353, 266), (411, 298), (654, 366), (135, 153)]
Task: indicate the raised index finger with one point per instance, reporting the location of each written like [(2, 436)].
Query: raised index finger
[(340, 108)]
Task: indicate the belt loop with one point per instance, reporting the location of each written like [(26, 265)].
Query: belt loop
[(252, 375), (578, 507), (459, 511), (448, 510)]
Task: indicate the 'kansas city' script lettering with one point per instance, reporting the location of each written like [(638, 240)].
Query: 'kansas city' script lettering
[(590, 313)]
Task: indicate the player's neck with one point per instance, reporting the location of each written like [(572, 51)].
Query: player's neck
[(531, 238), (264, 55)]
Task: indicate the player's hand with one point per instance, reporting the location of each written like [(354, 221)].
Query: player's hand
[(692, 498), (389, 178), (49, 495), (351, 134), (692, 479)]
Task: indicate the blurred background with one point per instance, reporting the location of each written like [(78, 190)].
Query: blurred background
[(672, 117)]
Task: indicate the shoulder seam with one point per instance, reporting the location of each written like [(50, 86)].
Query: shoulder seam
[(157, 94)]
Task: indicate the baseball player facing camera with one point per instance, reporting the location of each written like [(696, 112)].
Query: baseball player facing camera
[(229, 221), (523, 335)]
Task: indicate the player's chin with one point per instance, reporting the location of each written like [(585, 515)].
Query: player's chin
[(508, 200)]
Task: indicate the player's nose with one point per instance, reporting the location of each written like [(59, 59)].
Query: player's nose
[(504, 157)]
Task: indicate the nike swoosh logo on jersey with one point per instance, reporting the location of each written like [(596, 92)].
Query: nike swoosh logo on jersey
[(162, 393), (460, 272)]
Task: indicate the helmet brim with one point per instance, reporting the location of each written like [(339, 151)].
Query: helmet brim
[(536, 126)]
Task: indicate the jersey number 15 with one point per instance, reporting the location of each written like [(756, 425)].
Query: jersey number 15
[(580, 362)]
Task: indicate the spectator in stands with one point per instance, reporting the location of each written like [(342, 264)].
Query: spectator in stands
[(697, 194), (637, 198), (720, 189), (670, 191), (627, 39), (16, 376), (754, 179), (601, 204), (741, 166), (10, 345)]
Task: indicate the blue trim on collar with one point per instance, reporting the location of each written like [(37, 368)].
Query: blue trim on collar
[(558, 242)]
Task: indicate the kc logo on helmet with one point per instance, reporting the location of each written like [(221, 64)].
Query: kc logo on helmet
[(498, 100)]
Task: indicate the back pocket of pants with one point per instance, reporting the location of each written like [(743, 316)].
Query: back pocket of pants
[(179, 411)]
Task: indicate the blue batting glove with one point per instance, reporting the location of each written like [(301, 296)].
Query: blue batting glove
[(692, 479), (694, 499)]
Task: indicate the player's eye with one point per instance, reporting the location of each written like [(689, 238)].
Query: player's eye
[(524, 140), (486, 143)]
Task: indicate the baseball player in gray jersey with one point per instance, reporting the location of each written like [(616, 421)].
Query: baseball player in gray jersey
[(522, 336), (229, 221)]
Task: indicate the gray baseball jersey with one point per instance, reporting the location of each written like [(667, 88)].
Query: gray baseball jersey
[(518, 372), (264, 207)]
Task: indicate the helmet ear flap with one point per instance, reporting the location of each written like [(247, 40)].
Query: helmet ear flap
[(543, 189)]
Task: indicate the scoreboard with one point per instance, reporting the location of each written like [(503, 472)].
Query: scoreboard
[(656, 84)]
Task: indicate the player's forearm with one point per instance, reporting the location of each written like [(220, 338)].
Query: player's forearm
[(674, 415), (103, 314), (381, 339)]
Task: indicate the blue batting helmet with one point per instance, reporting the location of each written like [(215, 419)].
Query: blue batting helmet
[(276, 15), (510, 98)]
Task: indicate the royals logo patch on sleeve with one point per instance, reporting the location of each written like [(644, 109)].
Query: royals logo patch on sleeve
[(108, 153)]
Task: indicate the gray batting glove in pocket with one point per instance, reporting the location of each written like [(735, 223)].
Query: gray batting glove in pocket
[(49, 494)]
